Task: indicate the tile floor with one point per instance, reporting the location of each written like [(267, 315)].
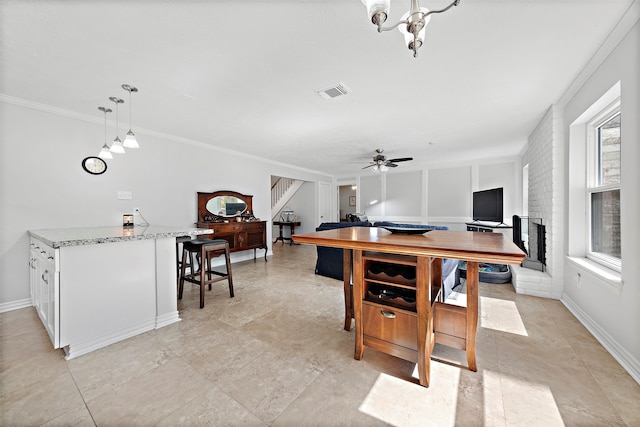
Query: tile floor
[(276, 355)]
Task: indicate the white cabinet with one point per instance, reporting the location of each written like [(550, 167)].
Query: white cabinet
[(97, 286), (44, 265)]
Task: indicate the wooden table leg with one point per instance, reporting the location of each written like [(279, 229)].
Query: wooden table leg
[(472, 313), (348, 294), (358, 284), (425, 319)]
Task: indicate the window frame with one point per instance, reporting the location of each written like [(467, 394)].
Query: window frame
[(592, 184)]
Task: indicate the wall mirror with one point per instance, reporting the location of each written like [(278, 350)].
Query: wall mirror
[(222, 205)]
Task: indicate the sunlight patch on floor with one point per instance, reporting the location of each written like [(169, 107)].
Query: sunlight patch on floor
[(501, 315), (402, 403), (538, 409)]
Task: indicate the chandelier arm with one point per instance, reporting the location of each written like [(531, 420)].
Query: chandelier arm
[(455, 3), (381, 29), (406, 21)]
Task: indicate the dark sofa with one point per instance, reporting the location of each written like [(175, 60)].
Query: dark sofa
[(330, 260)]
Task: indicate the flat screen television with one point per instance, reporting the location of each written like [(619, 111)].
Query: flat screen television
[(487, 205)]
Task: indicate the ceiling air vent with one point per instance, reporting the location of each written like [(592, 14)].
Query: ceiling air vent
[(335, 91)]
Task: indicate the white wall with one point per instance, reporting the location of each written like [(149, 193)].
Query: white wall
[(611, 313), (543, 155), (442, 194), (44, 186)]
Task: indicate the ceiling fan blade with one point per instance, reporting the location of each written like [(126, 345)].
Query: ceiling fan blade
[(391, 165), (402, 159), (367, 166)]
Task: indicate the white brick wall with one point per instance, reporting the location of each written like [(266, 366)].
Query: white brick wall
[(544, 157)]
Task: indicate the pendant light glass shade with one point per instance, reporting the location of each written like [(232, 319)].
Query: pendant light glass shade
[(117, 146), (105, 152), (377, 10), (130, 140)]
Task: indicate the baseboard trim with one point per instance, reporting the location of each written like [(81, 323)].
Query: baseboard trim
[(15, 305), (78, 349), (624, 358), (167, 319)]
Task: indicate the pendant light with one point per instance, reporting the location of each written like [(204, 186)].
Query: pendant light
[(130, 140), (105, 153), (117, 147)]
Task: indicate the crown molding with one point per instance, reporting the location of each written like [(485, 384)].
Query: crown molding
[(142, 131)]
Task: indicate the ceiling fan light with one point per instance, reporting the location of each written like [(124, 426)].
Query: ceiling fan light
[(130, 140), (383, 168)]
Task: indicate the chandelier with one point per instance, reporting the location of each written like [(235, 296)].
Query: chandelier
[(412, 24)]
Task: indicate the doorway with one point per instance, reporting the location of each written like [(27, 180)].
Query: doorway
[(347, 200)]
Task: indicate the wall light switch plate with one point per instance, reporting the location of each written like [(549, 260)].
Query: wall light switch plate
[(125, 195)]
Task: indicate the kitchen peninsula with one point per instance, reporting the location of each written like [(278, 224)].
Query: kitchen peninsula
[(96, 286)]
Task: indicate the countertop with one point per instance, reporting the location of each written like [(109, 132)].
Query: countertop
[(57, 238)]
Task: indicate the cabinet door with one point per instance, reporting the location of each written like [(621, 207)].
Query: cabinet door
[(256, 236), (46, 289), (33, 276)]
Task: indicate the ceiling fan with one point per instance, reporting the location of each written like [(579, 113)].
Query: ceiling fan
[(381, 164)]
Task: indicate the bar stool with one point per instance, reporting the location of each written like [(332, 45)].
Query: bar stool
[(179, 241), (204, 249)]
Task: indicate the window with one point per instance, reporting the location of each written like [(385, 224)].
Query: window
[(603, 187)]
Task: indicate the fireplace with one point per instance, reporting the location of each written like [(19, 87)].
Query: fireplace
[(530, 236)]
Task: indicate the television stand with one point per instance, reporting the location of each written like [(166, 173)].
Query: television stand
[(486, 227)]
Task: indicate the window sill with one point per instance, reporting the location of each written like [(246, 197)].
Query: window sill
[(612, 278)]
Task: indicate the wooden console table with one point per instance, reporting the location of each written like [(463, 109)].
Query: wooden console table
[(409, 333), (291, 224), (241, 236), (230, 215)]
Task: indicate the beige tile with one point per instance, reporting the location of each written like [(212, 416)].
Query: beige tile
[(269, 384), (214, 408), (77, 418), (149, 398), (103, 370), (227, 352), (41, 401)]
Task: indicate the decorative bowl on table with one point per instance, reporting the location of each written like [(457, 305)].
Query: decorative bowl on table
[(407, 230)]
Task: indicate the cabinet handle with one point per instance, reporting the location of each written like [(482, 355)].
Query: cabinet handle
[(32, 263), (50, 257), (43, 252), (44, 279), (388, 314)]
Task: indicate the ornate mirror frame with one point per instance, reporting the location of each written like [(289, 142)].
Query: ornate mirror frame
[(205, 216)]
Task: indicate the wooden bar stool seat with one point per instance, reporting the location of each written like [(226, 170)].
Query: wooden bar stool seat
[(203, 250)]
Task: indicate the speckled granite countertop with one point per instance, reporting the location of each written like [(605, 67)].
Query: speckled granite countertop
[(57, 238)]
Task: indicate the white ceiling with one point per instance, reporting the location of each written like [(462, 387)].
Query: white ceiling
[(243, 75)]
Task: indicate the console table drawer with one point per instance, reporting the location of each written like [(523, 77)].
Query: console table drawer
[(390, 324)]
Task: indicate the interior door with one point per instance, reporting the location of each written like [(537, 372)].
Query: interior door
[(324, 192)]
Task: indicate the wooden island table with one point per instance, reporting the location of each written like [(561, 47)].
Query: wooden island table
[(404, 314)]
